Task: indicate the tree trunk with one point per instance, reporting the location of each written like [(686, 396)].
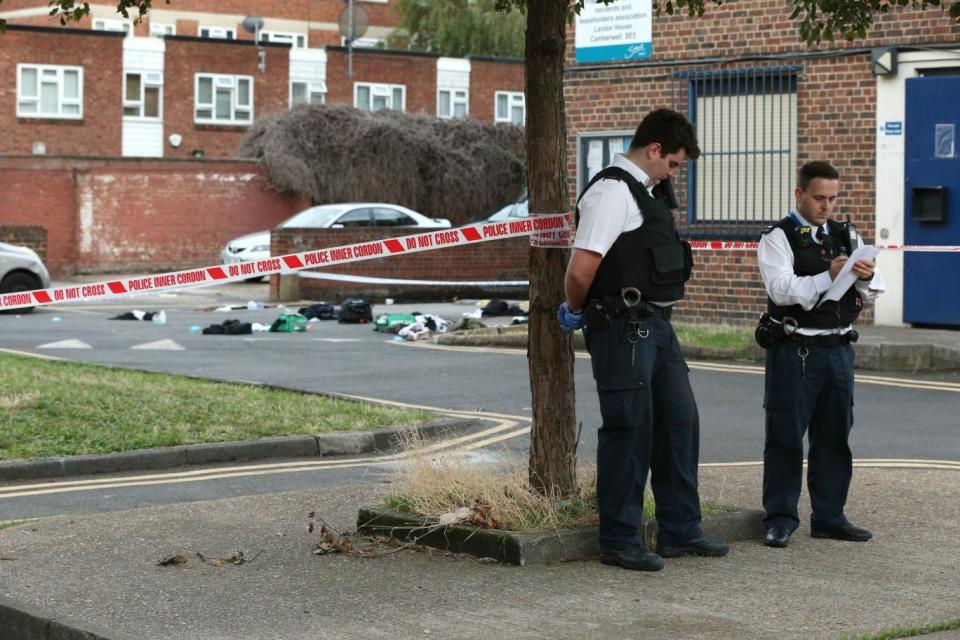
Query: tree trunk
[(553, 453)]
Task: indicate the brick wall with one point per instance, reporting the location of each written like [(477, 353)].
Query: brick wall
[(187, 56), (101, 56), (494, 260), (836, 118), (487, 76), (418, 72), (114, 215), (32, 236)]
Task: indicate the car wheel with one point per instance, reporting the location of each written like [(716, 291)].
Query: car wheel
[(16, 282)]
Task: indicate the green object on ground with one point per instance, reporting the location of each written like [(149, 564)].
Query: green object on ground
[(385, 321), (51, 408), (288, 322)]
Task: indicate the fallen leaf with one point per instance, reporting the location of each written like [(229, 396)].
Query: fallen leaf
[(172, 560)]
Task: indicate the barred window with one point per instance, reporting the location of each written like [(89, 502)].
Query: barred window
[(746, 125)]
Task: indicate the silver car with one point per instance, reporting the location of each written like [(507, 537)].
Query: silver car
[(256, 246), (21, 270)]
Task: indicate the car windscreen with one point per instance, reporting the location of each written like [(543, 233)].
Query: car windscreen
[(313, 217)]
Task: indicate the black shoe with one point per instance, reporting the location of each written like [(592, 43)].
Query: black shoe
[(777, 537), (638, 558), (702, 546), (846, 532)]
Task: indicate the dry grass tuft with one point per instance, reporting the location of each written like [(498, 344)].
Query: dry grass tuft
[(456, 169), (18, 401), (489, 495)]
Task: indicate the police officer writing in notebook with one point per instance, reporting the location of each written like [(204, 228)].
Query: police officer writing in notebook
[(809, 360), (627, 269)]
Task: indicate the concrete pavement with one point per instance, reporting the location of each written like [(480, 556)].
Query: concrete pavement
[(100, 572)]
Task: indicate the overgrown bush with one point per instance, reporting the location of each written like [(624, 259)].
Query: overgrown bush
[(457, 168)]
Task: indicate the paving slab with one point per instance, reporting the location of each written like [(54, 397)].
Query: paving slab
[(101, 570)]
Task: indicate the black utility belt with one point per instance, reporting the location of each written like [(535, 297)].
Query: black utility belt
[(831, 340), (770, 332), (599, 313)]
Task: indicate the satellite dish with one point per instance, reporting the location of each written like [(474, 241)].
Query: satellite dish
[(251, 24), (360, 23)]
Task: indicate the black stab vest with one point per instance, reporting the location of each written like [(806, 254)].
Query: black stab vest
[(810, 259), (652, 257)]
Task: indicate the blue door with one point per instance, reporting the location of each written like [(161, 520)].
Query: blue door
[(931, 281)]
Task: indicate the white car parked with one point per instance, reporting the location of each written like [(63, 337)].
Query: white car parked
[(256, 246), (514, 210), (21, 270)]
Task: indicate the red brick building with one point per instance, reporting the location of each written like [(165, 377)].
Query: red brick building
[(763, 104)]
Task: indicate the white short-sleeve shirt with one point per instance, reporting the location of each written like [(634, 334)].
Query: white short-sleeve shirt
[(608, 209)]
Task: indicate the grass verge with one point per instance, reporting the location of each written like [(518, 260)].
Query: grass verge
[(907, 632), (54, 408), (722, 336)]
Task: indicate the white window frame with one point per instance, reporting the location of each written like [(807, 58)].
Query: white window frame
[(61, 99), (314, 88), (457, 97), (222, 81), (217, 33), (160, 29), (113, 24), (365, 42), (512, 97), (380, 89), (295, 40), (147, 79)]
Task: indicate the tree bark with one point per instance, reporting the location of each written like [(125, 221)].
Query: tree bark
[(553, 451)]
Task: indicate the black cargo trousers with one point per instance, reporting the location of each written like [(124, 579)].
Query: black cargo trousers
[(650, 422)]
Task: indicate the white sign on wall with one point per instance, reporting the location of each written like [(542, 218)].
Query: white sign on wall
[(621, 30)]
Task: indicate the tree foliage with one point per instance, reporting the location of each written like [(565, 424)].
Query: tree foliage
[(458, 28), (451, 168)]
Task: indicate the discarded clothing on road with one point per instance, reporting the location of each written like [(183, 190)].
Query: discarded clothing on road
[(467, 323), (355, 311), (289, 322), (229, 328), (136, 314), (320, 310), (502, 308)]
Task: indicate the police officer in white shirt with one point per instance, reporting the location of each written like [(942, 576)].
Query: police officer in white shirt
[(809, 360), (627, 268)]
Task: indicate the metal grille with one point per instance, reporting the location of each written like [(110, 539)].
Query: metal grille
[(746, 125)]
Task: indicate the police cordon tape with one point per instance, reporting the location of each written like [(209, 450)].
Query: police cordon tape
[(546, 230)]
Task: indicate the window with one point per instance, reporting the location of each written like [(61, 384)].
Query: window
[(384, 217), (452, 103), (222, 99), (746, 126), (303, 92), (286, 37), (365, 43), (141, 95), (373, 97), (45, 91), (355, 218), (224, 33), (158, 29), (510, 107), (123, 26), (597, 150)]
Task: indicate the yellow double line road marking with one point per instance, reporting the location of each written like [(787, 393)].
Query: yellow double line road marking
[(506, 427)]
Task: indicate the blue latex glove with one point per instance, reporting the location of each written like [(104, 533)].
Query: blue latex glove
[(569, 321)]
